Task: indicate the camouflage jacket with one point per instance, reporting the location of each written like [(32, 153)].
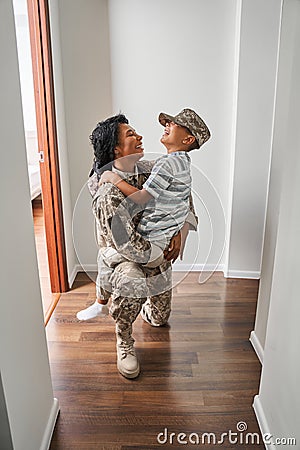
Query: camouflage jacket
[(117, 217)]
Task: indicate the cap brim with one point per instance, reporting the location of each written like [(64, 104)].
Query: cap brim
[(163, 118)]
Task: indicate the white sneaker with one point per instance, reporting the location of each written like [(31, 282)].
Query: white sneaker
[(95, 310)]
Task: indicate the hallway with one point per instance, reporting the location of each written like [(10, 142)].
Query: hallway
[(49, 299), (199, 375)]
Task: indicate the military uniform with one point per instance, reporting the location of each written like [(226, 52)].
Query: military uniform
[(129, 283)]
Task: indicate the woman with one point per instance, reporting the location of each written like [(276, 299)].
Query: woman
[(117, 146)]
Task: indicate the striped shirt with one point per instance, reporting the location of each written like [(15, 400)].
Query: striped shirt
[(170, 186)]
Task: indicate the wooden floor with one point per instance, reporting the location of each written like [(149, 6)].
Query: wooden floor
[(199, 374), (48, 299)]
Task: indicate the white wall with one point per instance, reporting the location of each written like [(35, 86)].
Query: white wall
[(5, 434), (24, 361), (26, 79), (222, 63), (28, 103), (169, 55), (83, 29), (277, 165), (257, 68), (278, 403), (62, 136)]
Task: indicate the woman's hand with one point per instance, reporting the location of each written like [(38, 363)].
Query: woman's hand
[(109, 177), (177, 244)]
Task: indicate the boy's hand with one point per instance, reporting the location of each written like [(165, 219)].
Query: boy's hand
[(172, 253), (109, 177), (177, 244)]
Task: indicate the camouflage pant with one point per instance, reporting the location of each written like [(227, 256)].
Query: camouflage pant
[(130, 284)]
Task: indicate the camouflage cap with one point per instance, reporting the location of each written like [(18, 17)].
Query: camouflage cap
[(189, 119)]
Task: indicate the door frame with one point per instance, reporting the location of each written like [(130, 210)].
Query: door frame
[(41, 55)]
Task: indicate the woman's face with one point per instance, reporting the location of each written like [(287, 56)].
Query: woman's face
[(130, 143)]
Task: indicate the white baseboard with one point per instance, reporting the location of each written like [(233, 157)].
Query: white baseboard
[(181, 267), (50, 425), (79, 268), (257, 346), (178, 267), (73, 274), (254, 275), (88, 268), (262, 421)]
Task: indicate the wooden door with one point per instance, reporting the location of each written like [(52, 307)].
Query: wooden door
[(39, 27)]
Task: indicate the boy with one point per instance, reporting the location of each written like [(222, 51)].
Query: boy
[(166, 192)]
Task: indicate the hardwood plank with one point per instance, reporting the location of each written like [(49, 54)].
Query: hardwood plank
[(199, 374)]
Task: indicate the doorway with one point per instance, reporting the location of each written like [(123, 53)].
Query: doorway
[(35, 67), (49, 299)]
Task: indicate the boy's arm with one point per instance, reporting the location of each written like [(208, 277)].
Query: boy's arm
[(137, 196)]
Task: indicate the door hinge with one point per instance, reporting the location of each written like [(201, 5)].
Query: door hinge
[(41, 153)]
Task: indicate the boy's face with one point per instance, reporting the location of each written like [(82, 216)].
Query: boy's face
[(130, 143), (174, 134)]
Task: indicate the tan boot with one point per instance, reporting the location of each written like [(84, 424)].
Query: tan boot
[(127, 361)]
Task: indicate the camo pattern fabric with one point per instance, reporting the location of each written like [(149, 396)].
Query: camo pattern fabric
[(129, 278), (128, 283), (192, 121)]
